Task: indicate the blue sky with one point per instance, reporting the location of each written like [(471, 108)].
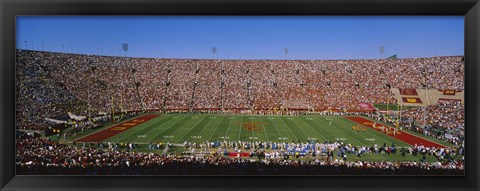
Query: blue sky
[(245, 37)]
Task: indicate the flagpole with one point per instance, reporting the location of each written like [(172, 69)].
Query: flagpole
[(387, 105)]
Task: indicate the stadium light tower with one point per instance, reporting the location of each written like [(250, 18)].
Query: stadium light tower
[(90, 64), (381, 49), (125, 48), (214, 52)]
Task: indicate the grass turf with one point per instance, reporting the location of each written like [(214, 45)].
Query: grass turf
[(177, 128)]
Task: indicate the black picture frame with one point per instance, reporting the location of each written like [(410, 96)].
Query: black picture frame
[(11, 8)]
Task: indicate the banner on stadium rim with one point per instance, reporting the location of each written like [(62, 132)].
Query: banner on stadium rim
[(365, 106), (393, 57), (408, 92), (411, 100), (449, 92)]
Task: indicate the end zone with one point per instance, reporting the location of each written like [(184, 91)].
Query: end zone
[(403, 136), (116, 129)]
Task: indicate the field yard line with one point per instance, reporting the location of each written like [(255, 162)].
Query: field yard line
[(345, 133), (103, 128), (276, 127), (216, 128), (289, 128), (124, 135), (200, 133), (164, 129), (359, 133), (314, 129), (226, 133), (192, 128), (241, 123), (265, 129), (342, 132), (344, 119), (293, 121), (326, 128), (175, 129), (161, 132)]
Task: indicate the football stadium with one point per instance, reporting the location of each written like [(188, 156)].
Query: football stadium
[(285, 95), (82, 114)]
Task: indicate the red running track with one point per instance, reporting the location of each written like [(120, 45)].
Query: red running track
[(403, 136), (117, 129)]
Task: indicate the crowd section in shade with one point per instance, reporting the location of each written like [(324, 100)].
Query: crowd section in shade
[(39, 155), (50, 84)]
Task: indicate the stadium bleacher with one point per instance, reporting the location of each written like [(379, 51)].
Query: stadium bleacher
[(56, 84)]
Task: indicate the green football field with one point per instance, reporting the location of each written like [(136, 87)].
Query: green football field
[(177, 128)]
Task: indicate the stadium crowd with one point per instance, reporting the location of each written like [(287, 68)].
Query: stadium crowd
[(53, 83), (452, 115), (39, 95), (39, 155)]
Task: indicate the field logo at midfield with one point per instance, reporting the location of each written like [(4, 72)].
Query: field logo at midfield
[(252, 125)]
